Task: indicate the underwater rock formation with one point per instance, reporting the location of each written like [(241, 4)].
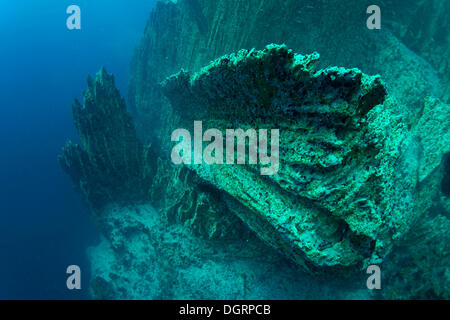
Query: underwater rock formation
[(332, 202), (420, 267), (110, 165), (427, 34), (145, 258), (182, 197), (433, 129), (173, 40), (364, 174)]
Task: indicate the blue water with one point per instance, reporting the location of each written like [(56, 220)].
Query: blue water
[(44, 227)]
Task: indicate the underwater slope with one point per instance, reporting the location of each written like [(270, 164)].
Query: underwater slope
[(174, 40), (193, 246), (362, 162)]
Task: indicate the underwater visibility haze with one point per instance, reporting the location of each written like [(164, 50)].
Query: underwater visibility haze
[(225, 149), (45, 226)]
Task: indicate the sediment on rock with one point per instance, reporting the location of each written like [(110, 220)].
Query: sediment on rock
[(331, 204)]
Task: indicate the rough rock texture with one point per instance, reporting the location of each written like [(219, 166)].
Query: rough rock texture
[(364, 176), (410, 76), (333, 202), (419, 266), (110, 165), (179, 37), (433, 129), (182, 197)]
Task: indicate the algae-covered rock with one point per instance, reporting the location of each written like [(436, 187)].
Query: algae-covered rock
[(110, 165), (179, 37), (333, 201), (182, 197), (364, 173), (433, 129), (418, 266)]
